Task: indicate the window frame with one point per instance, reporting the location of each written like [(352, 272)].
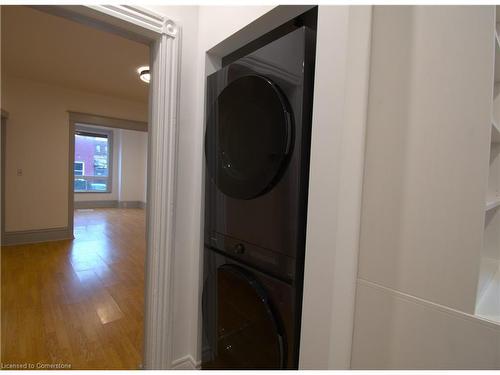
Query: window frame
[(96, 131)]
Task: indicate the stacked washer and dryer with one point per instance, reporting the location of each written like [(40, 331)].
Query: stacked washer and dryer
[(257, 142)]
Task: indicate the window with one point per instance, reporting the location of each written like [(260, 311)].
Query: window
[(79, 168), (92, 167)]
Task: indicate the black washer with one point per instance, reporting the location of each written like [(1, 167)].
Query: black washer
[(257, 147), (249, 333), (249, 133)]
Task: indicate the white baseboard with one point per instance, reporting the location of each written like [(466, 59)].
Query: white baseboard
[(185, 363), (95, 204), (109, 204), (131, 204), (37, 235)]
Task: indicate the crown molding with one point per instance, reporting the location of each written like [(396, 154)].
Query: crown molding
[(133, 22), (139, 16)]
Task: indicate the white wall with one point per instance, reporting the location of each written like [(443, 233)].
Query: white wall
[(133, 151), (38, 143), (335, 186), (427, 143), (430, 106), (397, 331), (224, 21)]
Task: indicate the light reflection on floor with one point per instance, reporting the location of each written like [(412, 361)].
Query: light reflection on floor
[(80, 301)]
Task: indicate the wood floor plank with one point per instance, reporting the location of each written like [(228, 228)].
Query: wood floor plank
[(78, 302)]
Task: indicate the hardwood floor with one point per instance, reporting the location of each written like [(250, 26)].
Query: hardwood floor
[(77, 302)]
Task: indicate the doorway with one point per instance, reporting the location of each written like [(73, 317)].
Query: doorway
[(161, 35), (107, 163), (84, 288)]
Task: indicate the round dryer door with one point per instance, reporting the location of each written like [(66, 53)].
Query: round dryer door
[(249, 332), (249, 136)]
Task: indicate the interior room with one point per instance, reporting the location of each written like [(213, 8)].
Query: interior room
[(74, 191), (301, 187)]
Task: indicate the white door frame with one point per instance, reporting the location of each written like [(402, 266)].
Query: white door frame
[(163, 37)]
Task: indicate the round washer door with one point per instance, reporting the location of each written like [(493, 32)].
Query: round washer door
[(248, 138), (249, 332)]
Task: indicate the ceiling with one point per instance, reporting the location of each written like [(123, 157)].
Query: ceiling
[(43, 47)]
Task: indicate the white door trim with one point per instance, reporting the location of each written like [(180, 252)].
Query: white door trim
[(162, 180), (163, 37)]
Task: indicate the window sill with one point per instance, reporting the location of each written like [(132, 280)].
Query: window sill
[(92, 192)]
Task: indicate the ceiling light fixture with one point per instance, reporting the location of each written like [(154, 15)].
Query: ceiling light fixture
[(144, 74)]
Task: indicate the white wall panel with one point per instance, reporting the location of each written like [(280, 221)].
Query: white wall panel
[(426, 169), (396, 331)]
